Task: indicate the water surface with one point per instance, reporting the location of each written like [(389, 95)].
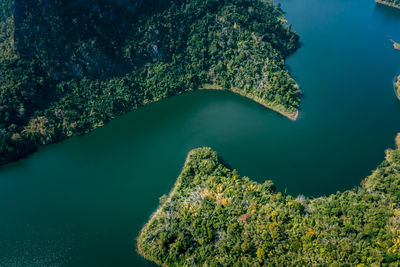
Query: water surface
[(82, 202)]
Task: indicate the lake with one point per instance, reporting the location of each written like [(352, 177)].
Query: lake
[(82, 202)]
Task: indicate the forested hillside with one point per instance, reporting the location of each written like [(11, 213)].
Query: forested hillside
[(215, 217), (67, 67)]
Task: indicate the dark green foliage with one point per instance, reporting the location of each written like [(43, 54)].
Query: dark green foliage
[(214, 217), (67, 67)]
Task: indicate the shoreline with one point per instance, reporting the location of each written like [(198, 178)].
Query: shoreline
[(387, 4), (27, 152), (293, 116), (397, 86), (139, 249)]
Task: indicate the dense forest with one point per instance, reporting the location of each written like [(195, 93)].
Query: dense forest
[(393, 3), (67, 67), (215, 217)]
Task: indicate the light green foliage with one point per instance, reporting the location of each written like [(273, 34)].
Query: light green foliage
[(76, 65), (215, 217)]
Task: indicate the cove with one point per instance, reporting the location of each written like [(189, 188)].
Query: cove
[(82, 202)]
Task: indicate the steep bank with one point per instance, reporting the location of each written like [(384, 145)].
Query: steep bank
[(291, 114)]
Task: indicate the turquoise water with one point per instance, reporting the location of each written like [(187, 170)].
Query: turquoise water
[(82, 202)]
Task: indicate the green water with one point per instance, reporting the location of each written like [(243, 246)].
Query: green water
[(82, 202)]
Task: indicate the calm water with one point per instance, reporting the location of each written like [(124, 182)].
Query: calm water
[(82, 202)]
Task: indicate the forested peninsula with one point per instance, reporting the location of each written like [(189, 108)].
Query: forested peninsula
[(392, 3), (216, 217), (68, 67)]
